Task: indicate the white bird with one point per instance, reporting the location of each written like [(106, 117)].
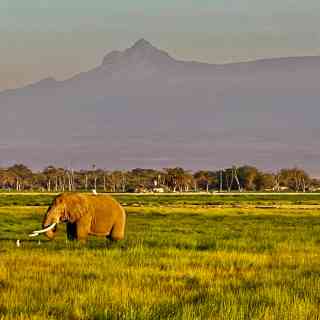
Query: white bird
[(94, 191), (18, 243)]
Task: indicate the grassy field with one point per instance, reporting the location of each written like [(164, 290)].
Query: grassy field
[(174, 199), (184, 257)]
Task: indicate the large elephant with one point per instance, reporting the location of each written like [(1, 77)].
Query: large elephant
[(99, 215)]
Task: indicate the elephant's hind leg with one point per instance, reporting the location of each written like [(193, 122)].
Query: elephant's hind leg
[(117, 232)]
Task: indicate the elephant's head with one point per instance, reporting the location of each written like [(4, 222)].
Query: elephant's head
[(55, 214), (63, 209)]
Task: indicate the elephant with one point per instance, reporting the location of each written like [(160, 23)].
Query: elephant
[(99, 215)]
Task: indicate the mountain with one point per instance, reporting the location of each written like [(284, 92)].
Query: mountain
[(143, 108)]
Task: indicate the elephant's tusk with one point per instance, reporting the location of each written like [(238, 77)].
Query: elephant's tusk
[(37, 232), (33, 234)]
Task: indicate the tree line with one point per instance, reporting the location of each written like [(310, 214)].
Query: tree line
[(244, 178)]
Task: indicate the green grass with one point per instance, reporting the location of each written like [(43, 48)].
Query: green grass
[(176, 263), (16, 199), (216, 199), (38, 199)]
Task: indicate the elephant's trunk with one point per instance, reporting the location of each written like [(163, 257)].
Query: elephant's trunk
[(51, 233), (50, 222), (50, 226)]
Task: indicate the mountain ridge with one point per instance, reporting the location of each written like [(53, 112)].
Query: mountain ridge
[(141, 46), (142, 107)]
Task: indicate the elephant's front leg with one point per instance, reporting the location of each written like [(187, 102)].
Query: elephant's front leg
[(71, 231), (83, 228)]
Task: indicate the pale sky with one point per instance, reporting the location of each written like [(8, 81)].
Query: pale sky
[(59, 38)]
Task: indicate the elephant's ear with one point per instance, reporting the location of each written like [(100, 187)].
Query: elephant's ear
[(76, 207)]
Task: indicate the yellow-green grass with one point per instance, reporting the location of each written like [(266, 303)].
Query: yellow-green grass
[(176, 199), (176, 263)]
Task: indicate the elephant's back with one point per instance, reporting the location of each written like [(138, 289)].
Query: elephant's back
[(106, 212), (104, 201)]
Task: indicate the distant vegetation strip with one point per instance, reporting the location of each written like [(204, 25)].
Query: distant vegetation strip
[(242, 179)]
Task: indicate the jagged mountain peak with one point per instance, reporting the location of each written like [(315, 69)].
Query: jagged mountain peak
[(142, 44), (141, 51)]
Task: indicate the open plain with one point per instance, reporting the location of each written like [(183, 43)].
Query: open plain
[(184, 257)]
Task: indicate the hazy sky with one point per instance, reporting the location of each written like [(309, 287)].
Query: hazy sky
[(41, 38)]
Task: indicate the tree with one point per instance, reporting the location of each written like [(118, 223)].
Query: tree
[(248, 177), (7, 179), (206, 179), (56, 179), (295, 179), (178, 179), (22, 174), (264, 181)]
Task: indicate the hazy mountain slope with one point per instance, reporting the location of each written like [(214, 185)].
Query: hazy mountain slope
[(141, 107)]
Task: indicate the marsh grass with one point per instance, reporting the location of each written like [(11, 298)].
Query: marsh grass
[(176, 263), (176, 199)]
